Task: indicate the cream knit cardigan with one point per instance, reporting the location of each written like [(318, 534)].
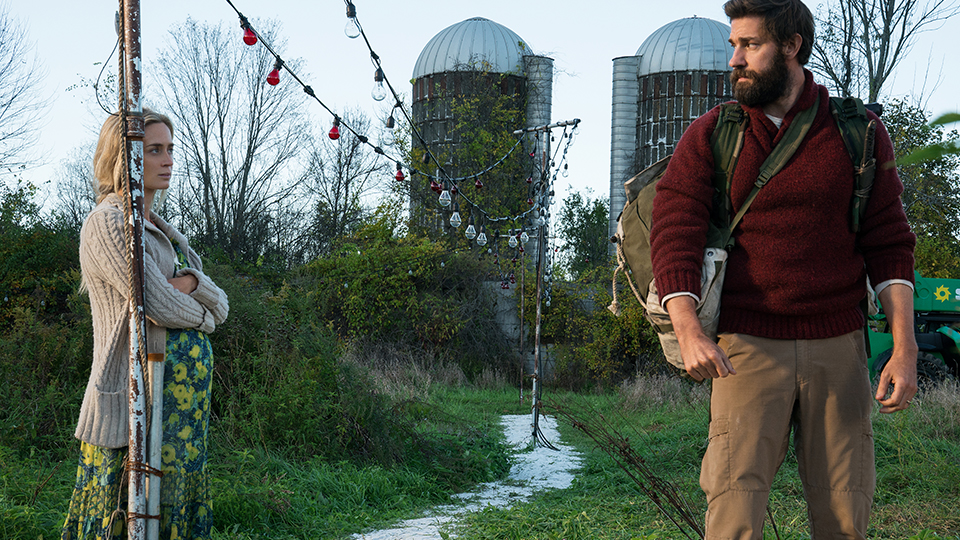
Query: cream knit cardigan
[(103, 415)]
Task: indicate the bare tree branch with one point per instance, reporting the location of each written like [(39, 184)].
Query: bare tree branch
[(21, 102)]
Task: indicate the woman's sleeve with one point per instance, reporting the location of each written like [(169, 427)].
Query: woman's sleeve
[(207, 293), (105, 250)]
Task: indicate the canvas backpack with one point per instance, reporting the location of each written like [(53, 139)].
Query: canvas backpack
[(634, 222)]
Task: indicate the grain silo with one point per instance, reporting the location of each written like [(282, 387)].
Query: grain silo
[(680, 72), (469, 57)]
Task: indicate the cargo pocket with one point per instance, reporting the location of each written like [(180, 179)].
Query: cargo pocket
[(715, 470)]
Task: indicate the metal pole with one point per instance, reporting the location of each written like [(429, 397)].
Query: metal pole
[(543, 197), (132, 112), (523, 301)]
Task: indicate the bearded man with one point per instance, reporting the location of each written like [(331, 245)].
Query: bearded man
[(790, 353)]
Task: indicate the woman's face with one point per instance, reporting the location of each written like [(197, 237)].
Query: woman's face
[(157, 157)]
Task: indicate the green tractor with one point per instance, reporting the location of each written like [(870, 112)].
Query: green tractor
[(936, 319)]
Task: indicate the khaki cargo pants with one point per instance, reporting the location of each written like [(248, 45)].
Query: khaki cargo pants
[(820, 389)]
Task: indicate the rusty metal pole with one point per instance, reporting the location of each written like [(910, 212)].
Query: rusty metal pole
[(132, 113)]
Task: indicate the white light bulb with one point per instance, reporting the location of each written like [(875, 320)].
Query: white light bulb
[(379, 93), (482, 239), (455, 220), (445, 198), (524, 237), (352, 29), (471, 232), (512, 242)]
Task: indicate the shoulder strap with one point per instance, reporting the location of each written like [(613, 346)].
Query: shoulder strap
[(771, 166), (858, 133), (726, 142)]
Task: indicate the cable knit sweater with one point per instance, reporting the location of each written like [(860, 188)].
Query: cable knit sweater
[(796, 271), (103, 415)]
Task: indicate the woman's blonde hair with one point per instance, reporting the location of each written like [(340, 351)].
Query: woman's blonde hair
[(108, 165)]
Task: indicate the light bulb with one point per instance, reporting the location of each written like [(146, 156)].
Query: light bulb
[(334, 132), (399, 176), (445, 198), (391, 122), (524, 237), (273, 78), (471, 232), (352, 29), (379, 93), (455, 220), (478, 184), (249, 36), (512, 242), (482, 239)]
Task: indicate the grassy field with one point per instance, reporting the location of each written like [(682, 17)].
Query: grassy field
[(263, 495)]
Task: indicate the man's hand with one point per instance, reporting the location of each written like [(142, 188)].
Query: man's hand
[(702, 358), (901, 370)]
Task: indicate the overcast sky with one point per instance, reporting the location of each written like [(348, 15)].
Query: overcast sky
[(582, 37)]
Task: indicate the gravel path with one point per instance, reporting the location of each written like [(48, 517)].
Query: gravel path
[(534, 470)]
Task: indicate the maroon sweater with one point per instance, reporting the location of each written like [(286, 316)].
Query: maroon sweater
[(796, 271)]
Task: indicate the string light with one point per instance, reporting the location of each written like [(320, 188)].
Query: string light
[(335, 130), (273, 78), (471, 231), (249, 36), (379, 93), (352, 29), (399, 176), (482, 237), (512, 242), (455, 220), (445, 197)]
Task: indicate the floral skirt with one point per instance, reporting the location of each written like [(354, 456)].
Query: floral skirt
[(185, 506)]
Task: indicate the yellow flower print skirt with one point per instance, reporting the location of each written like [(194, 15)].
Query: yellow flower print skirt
[(185, 506)]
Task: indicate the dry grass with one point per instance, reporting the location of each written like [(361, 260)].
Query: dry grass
[(937, 409), (406, 373), (644, 393)]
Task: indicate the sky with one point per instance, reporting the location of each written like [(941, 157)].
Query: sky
[(583, 38)]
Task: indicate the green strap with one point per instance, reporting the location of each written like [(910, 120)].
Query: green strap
[(776, 161)]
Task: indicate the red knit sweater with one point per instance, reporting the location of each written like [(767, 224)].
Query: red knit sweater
[(796, 271)]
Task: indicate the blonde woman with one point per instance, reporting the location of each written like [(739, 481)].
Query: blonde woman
[(182, 306)]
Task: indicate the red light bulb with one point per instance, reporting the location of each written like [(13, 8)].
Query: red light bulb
[(399, 176), (273, 78), (529, 179), (249, 36), (530, 202), (334, 132), (478, 184)]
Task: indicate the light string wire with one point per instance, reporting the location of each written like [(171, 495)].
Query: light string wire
[(280, 64), (398, 104), (338, 120)]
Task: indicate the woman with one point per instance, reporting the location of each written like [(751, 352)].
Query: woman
[(182, 305)]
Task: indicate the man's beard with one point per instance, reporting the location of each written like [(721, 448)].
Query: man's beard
[(765, 86)]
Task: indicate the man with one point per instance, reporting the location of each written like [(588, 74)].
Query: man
[(791, 345)]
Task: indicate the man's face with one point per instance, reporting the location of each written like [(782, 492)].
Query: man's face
[(760, 74)]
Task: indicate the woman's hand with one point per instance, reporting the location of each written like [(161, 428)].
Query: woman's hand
[(186, 283)]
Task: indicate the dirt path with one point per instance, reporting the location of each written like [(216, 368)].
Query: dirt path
[(534, 470)]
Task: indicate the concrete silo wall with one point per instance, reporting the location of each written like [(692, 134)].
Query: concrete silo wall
[(623, 136), (669, 103)]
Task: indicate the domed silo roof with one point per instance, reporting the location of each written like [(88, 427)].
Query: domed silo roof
[(465, 43), (694, 44)]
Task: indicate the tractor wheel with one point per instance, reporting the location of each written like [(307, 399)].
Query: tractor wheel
[(931, 371)]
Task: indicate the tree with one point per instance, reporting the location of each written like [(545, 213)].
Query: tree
[(583, 229), (861, 42), (339, 174), (21, 101), (469, 125), (74, 181), (931, 196), (237, 135)]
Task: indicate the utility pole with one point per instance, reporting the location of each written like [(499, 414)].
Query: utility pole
[(131, 116), (544, 192)]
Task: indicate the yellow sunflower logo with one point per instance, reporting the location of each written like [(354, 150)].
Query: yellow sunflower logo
[(943, 293)]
